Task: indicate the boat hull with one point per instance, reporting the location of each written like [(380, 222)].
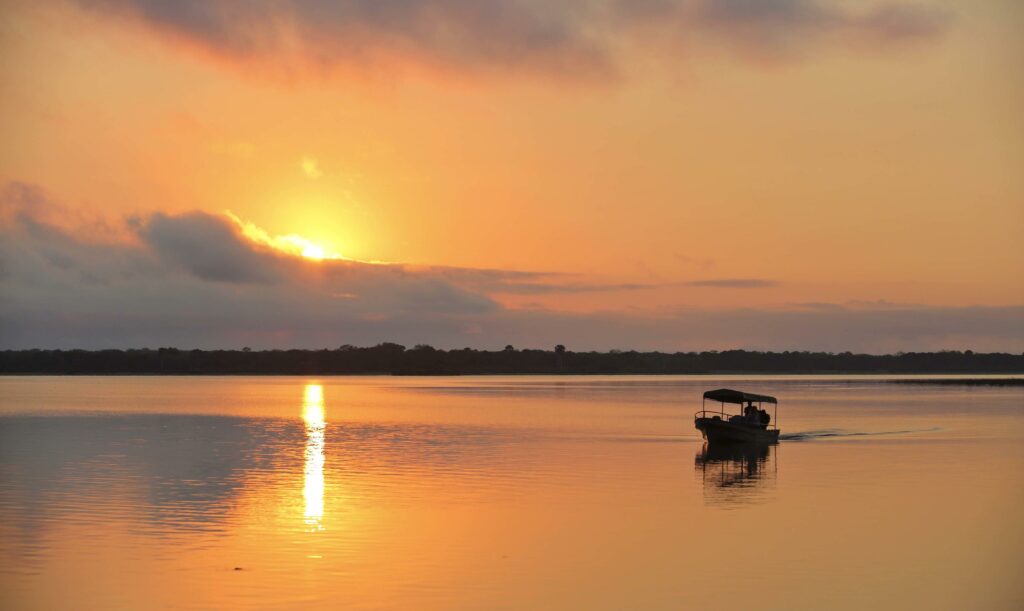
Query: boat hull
[(716, 430)]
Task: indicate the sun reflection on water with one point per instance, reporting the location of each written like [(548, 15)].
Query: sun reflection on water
[(313, 487)]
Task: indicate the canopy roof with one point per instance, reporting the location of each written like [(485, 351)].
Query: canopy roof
[(726, 395)]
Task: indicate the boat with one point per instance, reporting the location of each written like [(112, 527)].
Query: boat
[(751, 425)]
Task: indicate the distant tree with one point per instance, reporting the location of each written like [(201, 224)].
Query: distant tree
[(510, 348), (560, 358), (424, 359), (391, 347)]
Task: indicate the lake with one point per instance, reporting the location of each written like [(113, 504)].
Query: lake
[(505, 493)]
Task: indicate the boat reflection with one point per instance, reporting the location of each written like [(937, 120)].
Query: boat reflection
[(736, 474), (313, 481)]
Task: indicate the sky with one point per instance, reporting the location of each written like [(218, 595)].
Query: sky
[(604, 174)]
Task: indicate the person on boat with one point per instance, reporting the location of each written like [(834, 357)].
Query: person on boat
[(750, 412), (764, 417)]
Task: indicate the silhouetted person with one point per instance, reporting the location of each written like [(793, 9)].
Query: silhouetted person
[(750, 412)]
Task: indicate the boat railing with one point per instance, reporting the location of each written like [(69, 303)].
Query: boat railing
[(723, 415)]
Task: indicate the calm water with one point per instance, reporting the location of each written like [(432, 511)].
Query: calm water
[(504, 493)]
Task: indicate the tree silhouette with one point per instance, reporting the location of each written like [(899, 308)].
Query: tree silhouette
[(426, 360)]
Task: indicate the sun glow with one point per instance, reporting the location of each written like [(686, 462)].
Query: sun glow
[(313, 252), (292, 244)]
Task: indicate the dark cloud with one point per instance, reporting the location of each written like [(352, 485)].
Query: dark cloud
[(773, 29), (209, 247), (571, 38), (791, 14), (897, 22), (517, 282), (462, 35), (486, 280), (62, 288), (734, 283), (547, 288)]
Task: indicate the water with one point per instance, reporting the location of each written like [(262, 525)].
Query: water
[(504, 493)]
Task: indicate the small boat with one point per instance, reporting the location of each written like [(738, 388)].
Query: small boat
[(752, 424)]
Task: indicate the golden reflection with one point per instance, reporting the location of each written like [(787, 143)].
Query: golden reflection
[(313, 487)]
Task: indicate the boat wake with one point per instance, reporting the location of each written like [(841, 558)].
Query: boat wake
[(825, 433)]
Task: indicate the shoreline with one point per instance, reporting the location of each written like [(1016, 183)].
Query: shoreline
[(923, 378)]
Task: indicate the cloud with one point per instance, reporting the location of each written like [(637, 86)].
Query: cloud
[(577, 39), (544, 288), (779, 29), (191, 275), (193, 280), (898, 22), (310, 167), (210, 248), (461, 35), (699, 262), (734, 283), (518, 282)]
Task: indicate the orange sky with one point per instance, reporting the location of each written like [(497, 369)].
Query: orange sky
[(872, 156)]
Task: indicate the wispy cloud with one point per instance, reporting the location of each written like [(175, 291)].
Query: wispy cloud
[(780, 28), (734, 283), (310, 167), (565, 38)]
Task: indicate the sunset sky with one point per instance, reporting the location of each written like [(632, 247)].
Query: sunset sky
[(648, 174)]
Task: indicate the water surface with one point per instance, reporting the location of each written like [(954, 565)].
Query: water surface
[(504, 493)]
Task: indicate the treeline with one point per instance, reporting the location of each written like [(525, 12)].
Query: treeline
[(395, 359)]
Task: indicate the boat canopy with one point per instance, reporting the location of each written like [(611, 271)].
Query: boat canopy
[(726, 395)]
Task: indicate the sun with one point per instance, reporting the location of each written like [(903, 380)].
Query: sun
[(292, 244), (314, 251)]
